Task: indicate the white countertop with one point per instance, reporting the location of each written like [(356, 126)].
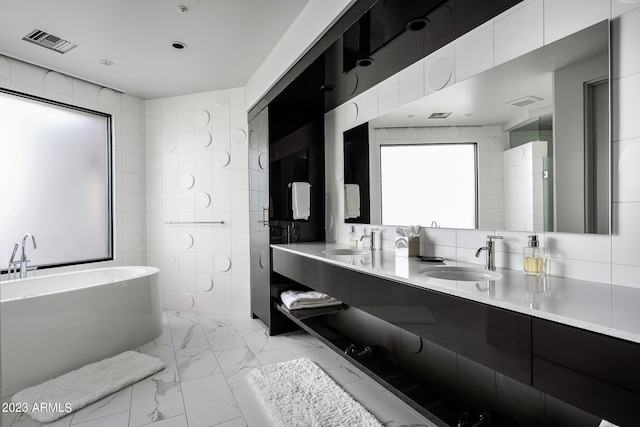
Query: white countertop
[(607, 309)]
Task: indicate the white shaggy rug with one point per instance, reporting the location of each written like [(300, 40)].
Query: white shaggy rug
[(67, 393), (299, 393)]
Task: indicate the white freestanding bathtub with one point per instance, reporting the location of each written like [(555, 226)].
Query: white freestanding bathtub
[(54, 324)]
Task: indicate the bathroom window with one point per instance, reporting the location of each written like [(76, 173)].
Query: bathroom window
[(429, 184), (55, 181)]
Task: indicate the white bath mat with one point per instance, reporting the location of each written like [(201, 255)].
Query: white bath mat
[(67, 393), (299, 393)]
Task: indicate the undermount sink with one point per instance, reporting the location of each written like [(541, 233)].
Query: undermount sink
[(463, 274), (345, 251)]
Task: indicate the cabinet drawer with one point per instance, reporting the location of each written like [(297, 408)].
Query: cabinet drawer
[(496, 338), (597, 373)]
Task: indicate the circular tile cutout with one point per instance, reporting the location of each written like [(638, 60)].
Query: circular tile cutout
[(382, 133), (187, 302), (169, 143), (351, 83), (264, 259), (628, 166), (186, 241), (223, 263), (203, 200), (351, 112), (263, 161), (495, 144), (187, 181), (202, 118), (204, 283), (239, 137), (439, 74), (203, 139), (222, 159), (57, 82), (253, 139), (410, 133), (220, 98), (108, 97)]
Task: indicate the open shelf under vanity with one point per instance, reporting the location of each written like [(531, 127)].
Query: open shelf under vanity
[(417, 393)]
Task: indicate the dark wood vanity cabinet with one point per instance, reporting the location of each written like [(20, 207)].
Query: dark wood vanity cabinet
[(597, 373), (496, 338), (588, 370), (314, 274)]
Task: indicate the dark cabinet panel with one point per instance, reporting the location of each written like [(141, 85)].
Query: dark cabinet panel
[(314, 274), (500, 6), (591, 371), (471, 13), (496, 338), (334, 281)]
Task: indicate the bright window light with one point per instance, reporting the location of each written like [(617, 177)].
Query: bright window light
[(429, 182)]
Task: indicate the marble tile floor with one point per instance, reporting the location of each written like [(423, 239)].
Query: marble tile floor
[(204, 384)]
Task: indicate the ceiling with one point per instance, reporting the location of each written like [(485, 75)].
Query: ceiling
[(226, 40)]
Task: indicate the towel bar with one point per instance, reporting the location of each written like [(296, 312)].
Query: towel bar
[(193, 222)]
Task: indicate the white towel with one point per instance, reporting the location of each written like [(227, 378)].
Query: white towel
[(301, 200), (351, 201), (307, 299)]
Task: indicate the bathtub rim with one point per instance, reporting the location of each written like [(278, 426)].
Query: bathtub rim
[(145, 270)]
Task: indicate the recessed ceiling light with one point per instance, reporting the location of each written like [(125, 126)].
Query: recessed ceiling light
[(106, 63), (364, 62), (417, 24), (327, 88), (178, 45)]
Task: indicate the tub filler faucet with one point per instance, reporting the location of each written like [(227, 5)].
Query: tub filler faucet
[(23, 258), (491, 252)]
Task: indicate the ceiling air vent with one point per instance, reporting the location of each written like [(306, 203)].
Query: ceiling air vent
[(439, 115), (49, 41), (527, 100)]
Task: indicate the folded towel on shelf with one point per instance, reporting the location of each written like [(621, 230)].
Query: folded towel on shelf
[(301, 200), (307, 299), (351, 201)]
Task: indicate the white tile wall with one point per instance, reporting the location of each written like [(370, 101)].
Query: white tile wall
[(198, 170), (609, 259), (128, 149)]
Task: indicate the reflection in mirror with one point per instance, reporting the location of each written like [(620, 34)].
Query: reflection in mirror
[(356, 175), (432, 182), (290, 168), (541, 126)]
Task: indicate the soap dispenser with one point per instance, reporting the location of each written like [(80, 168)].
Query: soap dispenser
[(534, 259), (353, 239)]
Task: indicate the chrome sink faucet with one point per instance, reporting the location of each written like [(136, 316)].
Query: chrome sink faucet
[(372, 238), (491, 252), (23, 258)]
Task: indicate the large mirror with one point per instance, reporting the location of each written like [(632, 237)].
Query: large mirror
[(538, 132)]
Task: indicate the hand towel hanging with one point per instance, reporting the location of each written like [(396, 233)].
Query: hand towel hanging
[(301, 200), (351, 201)]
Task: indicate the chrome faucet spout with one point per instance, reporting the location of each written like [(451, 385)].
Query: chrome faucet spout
[(23, 257), (484, 248), (491, 252)]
